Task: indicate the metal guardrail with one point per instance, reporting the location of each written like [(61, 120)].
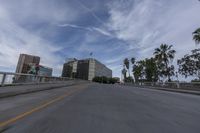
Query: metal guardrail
[(174, 85), (8, 78)]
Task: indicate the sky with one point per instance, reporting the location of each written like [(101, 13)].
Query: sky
[(111, 29)]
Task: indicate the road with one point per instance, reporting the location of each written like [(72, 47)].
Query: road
[(98, 108)]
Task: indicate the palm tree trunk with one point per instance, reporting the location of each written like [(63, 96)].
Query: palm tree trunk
[(169, 78), (124, 76), (129, 72), (168, 75)]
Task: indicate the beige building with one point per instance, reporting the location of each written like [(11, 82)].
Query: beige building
[(85, 69)]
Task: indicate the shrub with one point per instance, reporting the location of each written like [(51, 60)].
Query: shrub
[(128, 80), (195, 81), (112, 80), (104, 80)]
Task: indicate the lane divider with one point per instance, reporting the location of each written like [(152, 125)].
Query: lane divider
[(12, 120)]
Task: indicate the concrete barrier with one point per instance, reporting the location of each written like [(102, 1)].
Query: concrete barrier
[(9, 79), (9, 91)]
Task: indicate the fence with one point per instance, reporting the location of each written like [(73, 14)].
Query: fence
[(7, 78), (173, 85)]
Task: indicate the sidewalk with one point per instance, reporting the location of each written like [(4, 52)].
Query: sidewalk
[(9, 91), (178, 90)]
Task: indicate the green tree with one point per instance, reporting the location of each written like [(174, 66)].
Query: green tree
[(196, 36), (189, 65), (164, 55), (151, 70), (145, 70), (138, 71)]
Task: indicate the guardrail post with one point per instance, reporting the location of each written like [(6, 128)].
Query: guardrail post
[(3, 79), (178, 85)]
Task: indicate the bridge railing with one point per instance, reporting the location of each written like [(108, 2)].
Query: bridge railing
[(195, 86), (8, 78)]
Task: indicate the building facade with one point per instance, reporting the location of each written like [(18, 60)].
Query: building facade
[(45, 71), (24, 62), (85, 69), (102, 70), (70, 68)]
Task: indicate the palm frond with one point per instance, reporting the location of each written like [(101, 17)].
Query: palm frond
[(196, 36)]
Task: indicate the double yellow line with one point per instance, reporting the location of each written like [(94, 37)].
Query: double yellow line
[(20, 116)]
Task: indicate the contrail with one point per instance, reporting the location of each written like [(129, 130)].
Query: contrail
[(75, 26), (92, 13), (104, 32), (101, 31)]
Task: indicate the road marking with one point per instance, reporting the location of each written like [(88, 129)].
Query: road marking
[(12, 120)]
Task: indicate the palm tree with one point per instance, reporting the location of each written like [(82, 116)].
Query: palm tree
[(133, 60), (164, 55), (196, 36), (126, 63), (124, 72)]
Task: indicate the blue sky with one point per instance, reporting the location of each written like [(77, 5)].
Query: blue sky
[(111, 29)]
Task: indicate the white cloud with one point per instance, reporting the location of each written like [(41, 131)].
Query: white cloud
[(145, 24), (15, 39), (35, 11)]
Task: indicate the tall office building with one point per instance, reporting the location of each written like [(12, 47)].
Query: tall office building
[(85, 69), (70, 68), (24, 62)]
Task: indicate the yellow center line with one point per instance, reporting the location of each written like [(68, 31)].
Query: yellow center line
[(12, 120)]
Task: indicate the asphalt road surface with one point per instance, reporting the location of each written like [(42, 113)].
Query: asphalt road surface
[(97, 108)]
